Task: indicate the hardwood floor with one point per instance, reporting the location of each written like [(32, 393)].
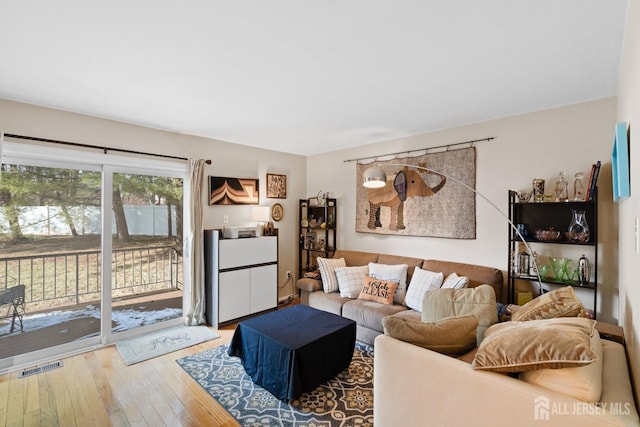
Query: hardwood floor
[(98, 389)]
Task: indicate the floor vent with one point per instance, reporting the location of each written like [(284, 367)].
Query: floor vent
[(37, 369)]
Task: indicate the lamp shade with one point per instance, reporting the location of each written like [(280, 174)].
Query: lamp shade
[(260, 213), (374, 177)]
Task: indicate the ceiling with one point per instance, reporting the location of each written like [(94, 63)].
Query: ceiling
[(308, 77)]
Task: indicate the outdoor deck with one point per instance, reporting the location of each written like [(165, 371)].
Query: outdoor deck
[(12, 344)]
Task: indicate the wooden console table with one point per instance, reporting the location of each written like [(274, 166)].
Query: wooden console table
[(611, 332)]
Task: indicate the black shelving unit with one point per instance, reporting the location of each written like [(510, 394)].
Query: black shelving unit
[(316, 239), (556, 215)]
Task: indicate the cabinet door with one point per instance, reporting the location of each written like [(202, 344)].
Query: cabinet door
[(234, 294), (264, 288)]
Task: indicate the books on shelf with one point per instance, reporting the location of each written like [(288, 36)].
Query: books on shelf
[(593, 181)]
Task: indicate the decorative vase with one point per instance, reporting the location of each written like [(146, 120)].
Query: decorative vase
[(562, 189), (578, 228), (559, 267), (584, 270), (538, 190)]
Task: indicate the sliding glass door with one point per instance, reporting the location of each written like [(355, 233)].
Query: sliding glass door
[(90, 249), (146, 256), (50, 235)]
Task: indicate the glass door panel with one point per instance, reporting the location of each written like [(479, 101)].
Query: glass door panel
[(146, 261), (50, 233)]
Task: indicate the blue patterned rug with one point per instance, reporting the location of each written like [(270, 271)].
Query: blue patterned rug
[(347, 400)]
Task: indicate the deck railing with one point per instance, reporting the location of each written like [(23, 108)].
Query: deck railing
[(74, 277)]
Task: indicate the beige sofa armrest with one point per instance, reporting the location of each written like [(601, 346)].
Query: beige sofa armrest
[(309, 285), (422, 387)]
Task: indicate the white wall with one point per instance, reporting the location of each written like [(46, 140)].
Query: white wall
[(629, 209), (228, 159), (537, 145)]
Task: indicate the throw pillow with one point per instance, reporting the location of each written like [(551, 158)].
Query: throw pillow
[(378, 290), (422, 281), (392, 272), (561, 302), (479, 301), (327, 268), (583, 383), (453, 281), (451, 335), (537, 344), (351, 280)]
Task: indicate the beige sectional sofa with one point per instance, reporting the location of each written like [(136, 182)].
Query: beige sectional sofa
[(368, 315), (422, 387), (417, 386)]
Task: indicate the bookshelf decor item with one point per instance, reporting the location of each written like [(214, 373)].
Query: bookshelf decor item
[(593, 180), (620, 163)]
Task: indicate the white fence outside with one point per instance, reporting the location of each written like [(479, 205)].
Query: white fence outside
[(146, 220)]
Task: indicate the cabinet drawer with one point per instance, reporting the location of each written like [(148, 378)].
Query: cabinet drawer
[(249, 251)]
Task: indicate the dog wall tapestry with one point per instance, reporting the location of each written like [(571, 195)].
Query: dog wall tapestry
[(233, 191), (421, 203)]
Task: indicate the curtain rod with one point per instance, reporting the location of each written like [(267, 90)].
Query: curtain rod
[(98, 147), (426, 150)]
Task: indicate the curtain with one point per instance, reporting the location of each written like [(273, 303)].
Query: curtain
[(194, 246)]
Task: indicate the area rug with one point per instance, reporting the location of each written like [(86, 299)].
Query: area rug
[(347, 400), (157, 343)]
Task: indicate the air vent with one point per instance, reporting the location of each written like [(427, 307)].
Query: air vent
[(37, 369)]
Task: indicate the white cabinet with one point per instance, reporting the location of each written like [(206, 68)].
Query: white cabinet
[(241, 276)]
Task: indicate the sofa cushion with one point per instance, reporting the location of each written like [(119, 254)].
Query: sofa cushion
[(561, 302), (451, 335), (351, 280), (327, 271), (479, 301), (477, 274), (422, 281), (562, 342), (378, 290), (412, 315), (331, 301), (583, 383), (453, 281), (394, 273), (369, 313), (398, 259)]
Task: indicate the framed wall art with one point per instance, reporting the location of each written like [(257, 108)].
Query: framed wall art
[(620, 163), (277, 212), (233, 191), (276, 186)]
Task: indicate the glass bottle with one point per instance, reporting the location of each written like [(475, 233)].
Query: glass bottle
[(562, 189), (578, 188), (578, 228)]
